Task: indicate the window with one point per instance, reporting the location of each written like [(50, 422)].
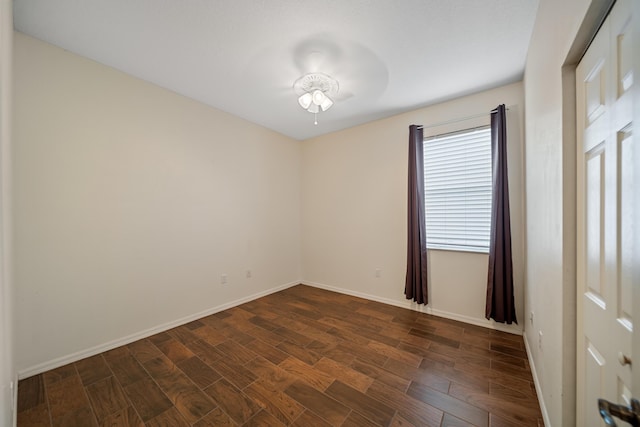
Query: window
[(457, 176)]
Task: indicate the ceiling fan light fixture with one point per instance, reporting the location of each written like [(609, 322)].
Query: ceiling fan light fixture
[(326, 104), (305, 100), (315, 91), (318, 97)]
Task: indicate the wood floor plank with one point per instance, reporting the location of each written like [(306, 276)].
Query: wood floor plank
[(235, 352), (363, 353), (326, 407), (82, 417), (382, 375), (205, 351), (313, 377), (308, 418), (434, 337), (160, 338), (267, 351), (267, 336), (238, 375), (510, 369), (174, 350), (449, 404), (508, 409), (58, 374), (349, 376), (305, 355), (462, 374), (413, 410), (400, 421), (183, 334), (128, 370), (292, 336), (497, 421), (66, 397), (36, 416), (31, 393), (199, 372), (116, 353), (366, 406), (233, 401), (144, 351), (263, 419), (271, 373), (450, 421), (127, 417), (210, 335), (348, 336), (169, 418), (410, 373), (106, 397), (356, 420), (339, 355), (147, 398), (93, 369), (264, 323), (284, 408), (188, 399), (215, 418), (194, 325), (395, 353), (237, 334)]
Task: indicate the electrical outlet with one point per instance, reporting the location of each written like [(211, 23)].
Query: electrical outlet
[(540, 340), (223, 279), (378, 272)]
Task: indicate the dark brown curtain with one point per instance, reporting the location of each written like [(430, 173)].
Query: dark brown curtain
[(416, 281), (500, 300)]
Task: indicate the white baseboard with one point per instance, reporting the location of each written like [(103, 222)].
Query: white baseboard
[(14, 400), (74, 357), (512, 329), (536, 382)]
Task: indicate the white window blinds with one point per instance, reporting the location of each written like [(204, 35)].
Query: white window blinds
[(457, 176)]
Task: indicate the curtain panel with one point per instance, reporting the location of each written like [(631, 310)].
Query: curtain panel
[(416, 278), (500, 304)]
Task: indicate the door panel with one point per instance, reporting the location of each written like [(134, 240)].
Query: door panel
[(625, 230), (604, 80), (594, 235)]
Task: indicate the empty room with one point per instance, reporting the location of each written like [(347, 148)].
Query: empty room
[(319, 213)]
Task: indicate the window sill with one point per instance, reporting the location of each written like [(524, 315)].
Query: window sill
[(466, 250)]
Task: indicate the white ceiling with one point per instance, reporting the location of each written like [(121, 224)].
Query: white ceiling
[(243, 56)]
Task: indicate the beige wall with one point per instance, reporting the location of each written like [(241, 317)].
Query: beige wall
[(7, 368), (131, 201), (550, 189), (354, 210)]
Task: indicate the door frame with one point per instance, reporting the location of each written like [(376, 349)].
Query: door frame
[(636, 218), (593, 19)]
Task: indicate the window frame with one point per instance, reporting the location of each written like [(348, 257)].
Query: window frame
[(487, 186)]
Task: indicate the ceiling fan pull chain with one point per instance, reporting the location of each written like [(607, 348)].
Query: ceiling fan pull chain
[(315, 117)]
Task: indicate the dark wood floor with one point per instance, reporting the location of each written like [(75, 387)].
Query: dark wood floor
[(301, 357)]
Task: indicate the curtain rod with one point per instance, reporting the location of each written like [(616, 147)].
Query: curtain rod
[(460, 119)]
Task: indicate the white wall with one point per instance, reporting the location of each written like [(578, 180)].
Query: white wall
[(550, 190), (131, 201), (354, 210), (7, 369)]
